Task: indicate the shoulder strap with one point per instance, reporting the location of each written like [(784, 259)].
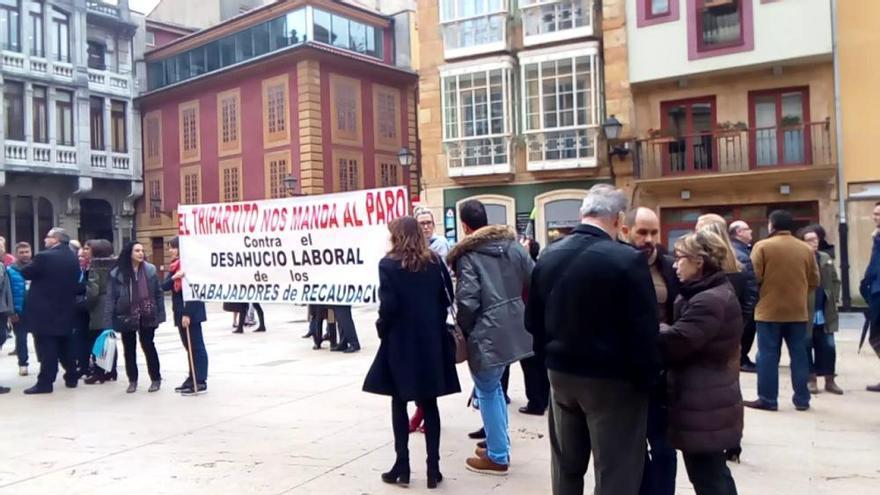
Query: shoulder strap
[(444, 276)]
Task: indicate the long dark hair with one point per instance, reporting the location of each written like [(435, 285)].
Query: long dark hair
[(408, 244), (123, 262)]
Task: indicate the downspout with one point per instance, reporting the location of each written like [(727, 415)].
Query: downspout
[(843, 228)]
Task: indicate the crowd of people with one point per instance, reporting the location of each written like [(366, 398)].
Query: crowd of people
[(69, 294), (642, 348)]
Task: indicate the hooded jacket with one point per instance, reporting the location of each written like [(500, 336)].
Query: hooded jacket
[(97, 289), (493, 271)]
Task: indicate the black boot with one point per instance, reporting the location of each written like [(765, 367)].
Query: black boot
[(433, 473), (399, 473)]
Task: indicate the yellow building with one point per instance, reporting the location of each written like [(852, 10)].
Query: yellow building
[(858, 39)]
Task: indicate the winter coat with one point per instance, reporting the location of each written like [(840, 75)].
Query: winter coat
[(493, 270), (592, 300), (786, 271), (19, 287), (194, 309), (97, 290), (49, 305), (416, 356), (744, 257), (829, 283), (869, 288), (118, 305), (702, 353), (666, 265), (7, 306)]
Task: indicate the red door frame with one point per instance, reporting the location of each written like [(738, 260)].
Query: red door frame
[(689, 131), (780, 135)]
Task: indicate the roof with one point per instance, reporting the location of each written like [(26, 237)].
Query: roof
[(170, 26)]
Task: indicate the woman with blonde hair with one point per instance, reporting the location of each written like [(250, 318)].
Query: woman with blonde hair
[(416, 356), (701, 349)]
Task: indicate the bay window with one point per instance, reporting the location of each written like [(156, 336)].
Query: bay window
[(552, 20), (10, 26), (64, 117), (477, 118), (473, 26), (561, 107)]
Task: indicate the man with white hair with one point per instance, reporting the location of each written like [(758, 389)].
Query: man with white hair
[(741, 238), (436, 243), (592, 303)]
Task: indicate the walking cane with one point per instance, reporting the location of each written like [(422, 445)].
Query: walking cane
[(192, 363)]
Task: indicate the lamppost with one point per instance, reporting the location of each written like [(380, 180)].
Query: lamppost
[(290, 182), (406, 158), (612, 128)]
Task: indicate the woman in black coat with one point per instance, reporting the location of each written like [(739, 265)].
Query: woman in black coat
[(416, 357)]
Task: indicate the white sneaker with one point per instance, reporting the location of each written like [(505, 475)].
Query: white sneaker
[(22, 371)]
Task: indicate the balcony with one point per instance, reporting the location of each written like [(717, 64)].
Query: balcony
[(27, 156), (109, 82), (559, 149), (102, 8), (734, 151), (478, 156), (110, 161)]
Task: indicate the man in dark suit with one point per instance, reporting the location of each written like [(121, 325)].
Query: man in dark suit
[(594, 300), (49, 309)]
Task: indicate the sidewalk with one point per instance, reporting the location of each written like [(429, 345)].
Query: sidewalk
[(282, 418)]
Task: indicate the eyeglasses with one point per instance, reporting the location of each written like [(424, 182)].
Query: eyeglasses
[(426, 223)]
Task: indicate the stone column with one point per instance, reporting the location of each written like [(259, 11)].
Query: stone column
[(311, 154), (107, 130), (618, 94), (50, 118)]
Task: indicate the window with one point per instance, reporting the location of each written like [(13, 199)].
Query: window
[(96, 122), (197, 63), (64, 117), (13, 109), (690, 124), (347, 34), (150, 38), (780, 127), (41, 115), (97, 52), (275, 108), (476, 116), (153, 140), (261, 38), (387, 116), (154, 191), (277, 168), (348, 174), (295, 27), (345, 110), (119, 128), (229, 127), (473, 26), (189, 131), (389, 173), (61, 29), (230, 181), (543, 17), (657, 8), (37, 45), (561, 115), (719, 24), (190, 190), (10, 26)]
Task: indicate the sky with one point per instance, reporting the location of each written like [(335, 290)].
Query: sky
[(143, 6)]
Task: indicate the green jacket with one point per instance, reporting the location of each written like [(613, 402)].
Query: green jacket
[(830, 283)]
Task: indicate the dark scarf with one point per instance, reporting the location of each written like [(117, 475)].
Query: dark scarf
[(143, 308)]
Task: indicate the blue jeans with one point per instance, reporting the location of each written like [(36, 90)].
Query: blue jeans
[(493, 409), (199, 351), (821, 352), (658, 477), (21, 347), (770, 337)]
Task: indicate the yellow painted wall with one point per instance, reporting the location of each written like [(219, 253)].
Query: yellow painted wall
[(859, 45)]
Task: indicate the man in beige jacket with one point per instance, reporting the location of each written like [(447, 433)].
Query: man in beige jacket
[(787, 273)]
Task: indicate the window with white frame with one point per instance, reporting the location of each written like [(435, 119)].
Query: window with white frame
[(549, 20), (473, 26), (560, 107), (476, 117)]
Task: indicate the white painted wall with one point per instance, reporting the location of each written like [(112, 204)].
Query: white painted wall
[(784, 30)]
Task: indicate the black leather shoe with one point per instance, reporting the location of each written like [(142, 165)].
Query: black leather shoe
[(183, 386), (5, 390), (532, 411), (352, 349), (71, 384), (476, 435), (339, 348), (36, 389), (759, 404), (748, 367)]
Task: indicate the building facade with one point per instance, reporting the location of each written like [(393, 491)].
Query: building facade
[(732, 114), (70, 152), (510, 110), (307, 89), (858, 41)]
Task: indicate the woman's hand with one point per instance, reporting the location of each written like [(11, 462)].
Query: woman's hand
[(179, 275), (185, 321)]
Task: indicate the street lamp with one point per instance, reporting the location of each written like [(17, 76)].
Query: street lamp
[(406, 157), (612, 128), (290, 182)]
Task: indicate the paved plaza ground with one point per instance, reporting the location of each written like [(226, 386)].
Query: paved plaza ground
[(282, 418)]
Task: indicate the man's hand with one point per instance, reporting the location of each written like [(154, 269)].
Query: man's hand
[(179, 275), (185, 321)]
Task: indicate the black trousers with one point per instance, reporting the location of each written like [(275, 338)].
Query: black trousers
[(400, 425), (709, 474), (243, 316), (347, 332), (52, 349), (748, 338), (536, 381), (129, 344)]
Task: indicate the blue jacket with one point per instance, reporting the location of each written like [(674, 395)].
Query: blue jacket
[(744, 256), (870, 286), (19, 288)]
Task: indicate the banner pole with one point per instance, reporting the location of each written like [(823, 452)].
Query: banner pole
[(192, 363)]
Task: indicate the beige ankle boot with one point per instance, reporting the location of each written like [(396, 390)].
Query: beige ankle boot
[(812, 385), (831, 386)]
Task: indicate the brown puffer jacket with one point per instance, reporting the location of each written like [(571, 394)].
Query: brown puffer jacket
[(702, 352)]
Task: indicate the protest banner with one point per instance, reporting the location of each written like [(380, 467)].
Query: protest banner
[(301, 250)]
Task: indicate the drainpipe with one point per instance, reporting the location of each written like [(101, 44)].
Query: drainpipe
[(843, 228)]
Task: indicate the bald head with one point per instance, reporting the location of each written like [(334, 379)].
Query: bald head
[(641, 228)]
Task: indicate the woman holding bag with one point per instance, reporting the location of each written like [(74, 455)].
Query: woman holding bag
[(136, 306), (416, 357)]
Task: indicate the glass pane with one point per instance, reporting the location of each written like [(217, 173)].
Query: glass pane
[(793, 146), (766, 149), (496, 214), (182, 66), (277, 33), (197, 61), (659, 7), (358, 37), (322, 25), (244, 46), (261, 38), (212, 54), (720, 22), (227, 51), (340, 37), (296, 26)]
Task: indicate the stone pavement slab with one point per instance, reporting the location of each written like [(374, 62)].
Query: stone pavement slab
[(282, 418)]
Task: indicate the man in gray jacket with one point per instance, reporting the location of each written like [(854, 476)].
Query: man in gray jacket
[(493, 270)]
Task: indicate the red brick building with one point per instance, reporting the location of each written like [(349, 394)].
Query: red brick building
[(302, 88)]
